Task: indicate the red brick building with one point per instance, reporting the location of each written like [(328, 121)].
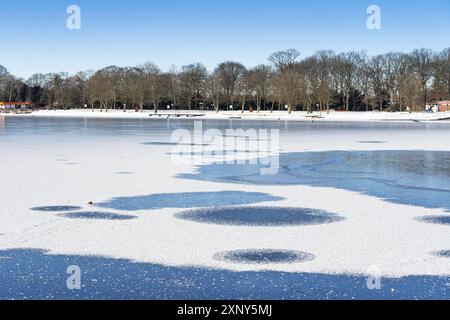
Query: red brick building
[(11, 106), (444, 106)]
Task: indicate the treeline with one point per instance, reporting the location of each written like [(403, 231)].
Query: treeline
[(347, 81)]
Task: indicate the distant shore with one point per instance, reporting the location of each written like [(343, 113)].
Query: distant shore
[(238, 115)]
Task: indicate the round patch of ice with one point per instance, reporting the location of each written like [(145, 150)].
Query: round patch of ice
[(259, 216), (264, 256)]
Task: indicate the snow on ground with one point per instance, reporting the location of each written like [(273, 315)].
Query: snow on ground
[(375, 232), (264, 115)]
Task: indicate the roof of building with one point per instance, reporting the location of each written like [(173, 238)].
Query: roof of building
[(17, 103)]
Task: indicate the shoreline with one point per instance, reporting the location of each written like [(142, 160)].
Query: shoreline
[(349, 116)]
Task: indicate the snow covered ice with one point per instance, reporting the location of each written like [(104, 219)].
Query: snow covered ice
[(385, 184)]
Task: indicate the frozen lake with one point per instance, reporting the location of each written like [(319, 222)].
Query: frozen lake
[(106, 195)]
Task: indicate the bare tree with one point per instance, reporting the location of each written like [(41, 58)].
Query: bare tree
[(213, 90), (363, 77), (324, 63), (173, 89), (61, 87), (245, 87), (410, 91), (347, 66), (101, 89), (441, 83), (228, 74), (125, 87), (376, 73), (310, 83), (153, 85), (423, 62), (192, 79), (259, 78), (289, 84), (283, 60), (402, 69)]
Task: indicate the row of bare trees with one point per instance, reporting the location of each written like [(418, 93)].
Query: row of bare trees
[(326, 80)]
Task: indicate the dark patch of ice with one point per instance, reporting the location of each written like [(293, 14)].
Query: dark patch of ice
[(260, 216), (445, 220), (93, 215), (443, 254), (264, 256), (56, 208), (187, 200)]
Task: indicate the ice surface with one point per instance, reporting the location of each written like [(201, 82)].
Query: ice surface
[(174, 258)]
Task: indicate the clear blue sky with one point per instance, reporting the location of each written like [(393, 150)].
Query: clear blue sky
[(129, 32)]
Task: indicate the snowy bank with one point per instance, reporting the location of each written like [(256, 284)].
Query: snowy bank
[(238, 115)]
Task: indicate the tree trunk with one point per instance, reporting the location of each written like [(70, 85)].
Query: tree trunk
[(366, 99), (347, 102), (425, 95), (217, 104), (195, 101), (290, 108)]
